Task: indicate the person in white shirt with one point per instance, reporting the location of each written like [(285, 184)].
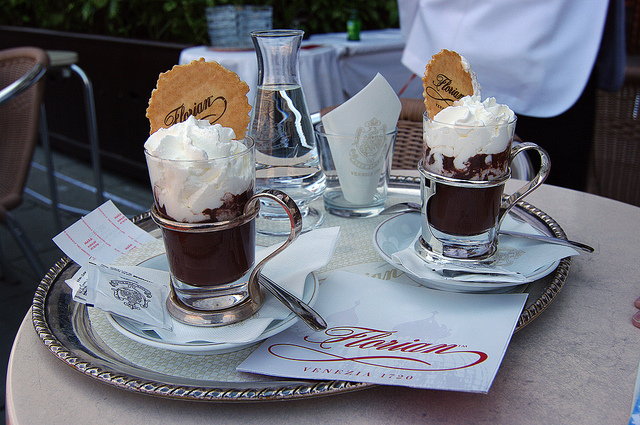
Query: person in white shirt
[(537, 56)]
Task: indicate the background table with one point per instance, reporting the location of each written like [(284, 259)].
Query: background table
[(319, 75), (360, 61), (332, 69), (576, 363)]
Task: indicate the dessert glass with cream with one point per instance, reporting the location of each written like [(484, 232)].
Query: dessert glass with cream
[(467, 154), (202, 182)]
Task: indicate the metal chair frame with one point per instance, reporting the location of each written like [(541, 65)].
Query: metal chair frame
[(31, 80), (66, 62)]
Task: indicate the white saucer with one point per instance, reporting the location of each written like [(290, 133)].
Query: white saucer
[(399, 232), (142, 333)]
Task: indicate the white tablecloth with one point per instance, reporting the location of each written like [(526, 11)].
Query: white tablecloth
[(360, 61), (319, 75), (332, 69)]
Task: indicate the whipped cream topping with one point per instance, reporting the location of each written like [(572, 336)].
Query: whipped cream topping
[(477, 89), (467, 128), (194, 165)]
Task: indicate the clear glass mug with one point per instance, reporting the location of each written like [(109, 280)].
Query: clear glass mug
[(211, 259), (461, 216)]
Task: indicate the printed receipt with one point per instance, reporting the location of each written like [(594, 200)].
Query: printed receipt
[(103, 235)]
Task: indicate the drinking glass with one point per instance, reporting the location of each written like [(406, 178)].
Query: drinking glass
[(357, 167), (211, 248), (461, 214)]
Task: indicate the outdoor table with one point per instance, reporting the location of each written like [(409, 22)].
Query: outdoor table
[(576, 362)]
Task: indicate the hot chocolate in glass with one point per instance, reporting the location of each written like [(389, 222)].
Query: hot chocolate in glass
[(468, 152), (202, 182)]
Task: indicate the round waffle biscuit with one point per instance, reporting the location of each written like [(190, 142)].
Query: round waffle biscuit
[(206, 90), (445, 81)]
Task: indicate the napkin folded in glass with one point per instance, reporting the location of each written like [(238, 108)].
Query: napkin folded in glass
[(517, 259), (289, 269)]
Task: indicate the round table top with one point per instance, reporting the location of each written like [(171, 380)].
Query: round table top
[(577, 361)]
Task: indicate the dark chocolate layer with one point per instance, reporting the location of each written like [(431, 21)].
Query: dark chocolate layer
[(478, 167), (212, 258), (232, 207), (463, 211), (217, 257)]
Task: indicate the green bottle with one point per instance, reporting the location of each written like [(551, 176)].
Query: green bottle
[(353, 26)]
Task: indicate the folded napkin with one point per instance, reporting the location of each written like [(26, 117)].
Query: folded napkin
[(363, 122), (517, 259), (138, 293), (289, 269)]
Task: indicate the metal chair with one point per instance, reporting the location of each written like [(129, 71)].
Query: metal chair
[(21, 96), (614, 167), (66, 62)]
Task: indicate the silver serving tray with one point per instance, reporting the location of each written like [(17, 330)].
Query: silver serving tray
[(65, 328)]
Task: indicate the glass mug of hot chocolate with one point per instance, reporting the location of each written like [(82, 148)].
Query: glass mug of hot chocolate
[(466, 163), (204, 203)]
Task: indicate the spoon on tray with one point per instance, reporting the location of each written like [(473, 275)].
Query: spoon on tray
[(401, 207), (308, 315), (415, 207)]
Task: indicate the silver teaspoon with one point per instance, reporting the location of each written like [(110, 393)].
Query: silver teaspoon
[(414, 207), (551, 239), (401, 207), (308, 315)]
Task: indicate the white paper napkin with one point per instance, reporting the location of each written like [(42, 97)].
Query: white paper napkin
[(517, 259), (135, 292), (289, 269), (371, 112), (426, 339)]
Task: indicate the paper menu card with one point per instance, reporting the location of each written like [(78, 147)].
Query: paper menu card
[(104, 234), (393, 334), (368, 115)]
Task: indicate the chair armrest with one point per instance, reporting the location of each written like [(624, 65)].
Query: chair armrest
[(22, 84)]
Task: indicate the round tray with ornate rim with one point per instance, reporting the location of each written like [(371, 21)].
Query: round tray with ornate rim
[(82, 337)]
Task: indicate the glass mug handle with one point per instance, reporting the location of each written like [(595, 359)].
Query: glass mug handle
[(295, 218), (540, 177)]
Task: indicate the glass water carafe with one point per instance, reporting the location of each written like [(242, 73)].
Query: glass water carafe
[(286, 153)]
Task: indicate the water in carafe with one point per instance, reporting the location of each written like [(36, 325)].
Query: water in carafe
[(286, 153), (287, 158)]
